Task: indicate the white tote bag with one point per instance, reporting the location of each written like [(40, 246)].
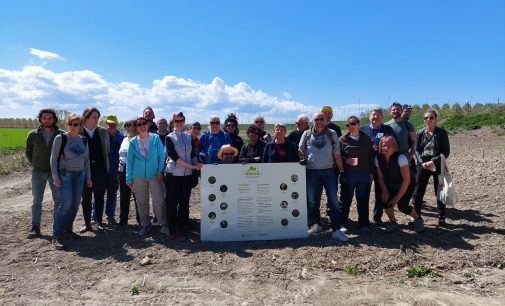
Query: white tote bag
[(446, 192)]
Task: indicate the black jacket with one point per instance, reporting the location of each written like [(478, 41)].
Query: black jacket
[(441, 141)]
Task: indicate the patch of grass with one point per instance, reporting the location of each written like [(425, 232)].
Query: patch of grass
[(352, 270), (499, 264), (12, 139), (135, 290), (421, 271)]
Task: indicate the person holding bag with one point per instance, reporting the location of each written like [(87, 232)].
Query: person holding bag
[(432, 143)]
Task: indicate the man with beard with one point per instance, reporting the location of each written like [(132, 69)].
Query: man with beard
[(404, 131), (148, 114), (38, 152)]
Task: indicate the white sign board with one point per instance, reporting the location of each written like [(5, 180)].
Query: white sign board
[(253, 202)]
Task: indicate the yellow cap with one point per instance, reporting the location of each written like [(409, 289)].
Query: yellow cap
[(111, 119), (327, 109)]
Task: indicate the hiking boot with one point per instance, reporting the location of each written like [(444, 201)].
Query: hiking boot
[(441, 221), (338, 235), (364, 230), (314, 229), (85, 228), (34, 232), (378, 223), (344, 229), (391, 226), (57, 243), (112, 222), (418, 225)]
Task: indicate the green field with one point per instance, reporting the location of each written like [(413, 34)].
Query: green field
[(12, 138)]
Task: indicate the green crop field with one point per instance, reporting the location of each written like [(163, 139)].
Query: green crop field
[(12, 138)]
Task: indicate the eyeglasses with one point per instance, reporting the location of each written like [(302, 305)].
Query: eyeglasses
[(352, 123), (429, 117), (319, 119), (143, 123), (300, 122), (74, 124), (179, 120), (215, 122), (230, 125), (127, 125), (259, 121)]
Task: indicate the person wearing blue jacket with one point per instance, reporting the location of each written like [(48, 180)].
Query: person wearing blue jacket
[(144, 174)]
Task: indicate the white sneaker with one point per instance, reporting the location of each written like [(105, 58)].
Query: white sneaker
[(143, 231), (165, 231), (314, 229), (343, 229), (338, 235)]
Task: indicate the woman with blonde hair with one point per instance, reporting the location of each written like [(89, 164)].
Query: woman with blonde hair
[(396, 182), (70, 170)]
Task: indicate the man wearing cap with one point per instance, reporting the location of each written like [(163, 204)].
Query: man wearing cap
[(406, 111), (227, 154), (116, 138), (328, 115)]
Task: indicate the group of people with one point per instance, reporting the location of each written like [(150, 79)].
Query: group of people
[(161, 161)]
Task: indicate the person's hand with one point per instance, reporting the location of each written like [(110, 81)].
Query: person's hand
[(341, 178), (159, 177), (89, 183), (57, 183), (198, 166), (394, 201), (385, 196), (427, 165), (303, 162)]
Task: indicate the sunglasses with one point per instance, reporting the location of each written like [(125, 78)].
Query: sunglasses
[(127, 125), (319, 119), (352, 123), (259, 121), (430, 117), (215, 122), (230, 125), (228, 154), (179, 120), (143, 123), (74, 124)]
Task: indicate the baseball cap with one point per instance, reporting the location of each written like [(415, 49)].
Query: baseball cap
[(111, 119), (327, 109), (406, 106)]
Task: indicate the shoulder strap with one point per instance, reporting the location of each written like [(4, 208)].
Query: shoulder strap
[(330, 136), (62, 147)]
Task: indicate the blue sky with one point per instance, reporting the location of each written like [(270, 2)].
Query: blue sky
[(278, 58)]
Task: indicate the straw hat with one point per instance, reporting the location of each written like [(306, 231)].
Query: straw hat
[(226, 147)]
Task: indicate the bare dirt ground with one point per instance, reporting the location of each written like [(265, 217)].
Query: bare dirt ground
[(102, 268)]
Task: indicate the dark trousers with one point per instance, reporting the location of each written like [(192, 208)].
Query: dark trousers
[(423, 177), (178, 192), (99, 179), (125, 194), (377, 209), (359, 184), (404, 203)]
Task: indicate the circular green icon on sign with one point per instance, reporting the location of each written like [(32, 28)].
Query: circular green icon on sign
[(284, 222), (294, 195), (212, 215), (212, 179), (212, 197), (223, 224)]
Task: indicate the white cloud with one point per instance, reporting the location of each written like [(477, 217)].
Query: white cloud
[(46, 55), (24, 92)]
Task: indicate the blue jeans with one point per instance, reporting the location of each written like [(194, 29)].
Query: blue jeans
[(110, 202), (316, 179), (360, 184), (70, 197), (39, 180)]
